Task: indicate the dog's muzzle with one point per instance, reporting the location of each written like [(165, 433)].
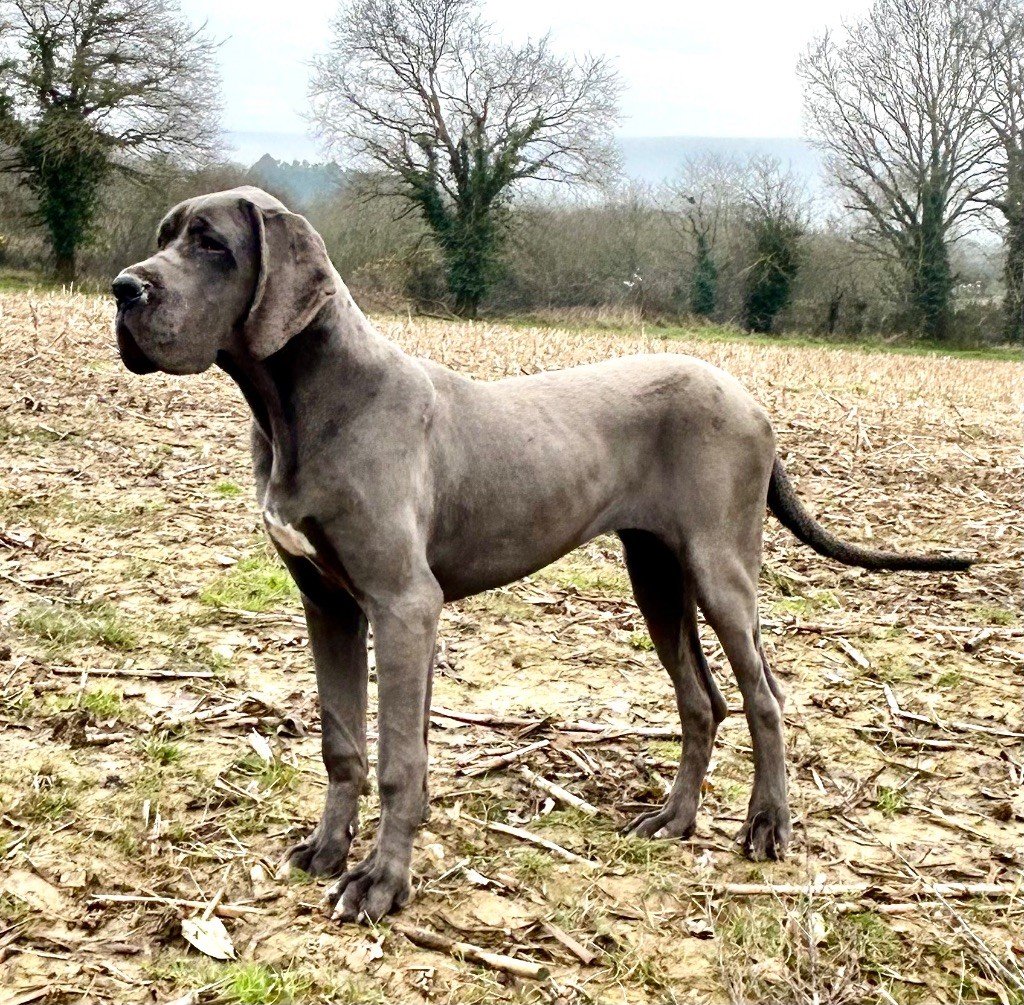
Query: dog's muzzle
[(130, 292), (131, 355)]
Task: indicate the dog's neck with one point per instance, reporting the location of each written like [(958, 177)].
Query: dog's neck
[(339, 357)]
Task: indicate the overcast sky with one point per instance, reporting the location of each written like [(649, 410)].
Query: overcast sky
[(723, 68)]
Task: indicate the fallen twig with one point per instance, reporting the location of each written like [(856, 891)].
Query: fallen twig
[(502, 760), (580, 951), (556, 791), (954, 724), (951, 890), (223, 910), (475, 954), (134, 672), (523, 835)]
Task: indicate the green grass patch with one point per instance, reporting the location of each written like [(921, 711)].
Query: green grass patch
[(868, 344), (227, 490), (236, 983), (58, 626), (162, 750), (33, 434), (102, 702), (256, 984), (890, 800), (641, 642), (12, 910), (532, 866), (807, 604), (49, 800), (587, 578), (273, 776), (257, 583), (990, 614)]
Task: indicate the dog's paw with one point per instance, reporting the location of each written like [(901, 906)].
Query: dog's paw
[(319, 855), (668, 822), (766, 833), (371, 890)]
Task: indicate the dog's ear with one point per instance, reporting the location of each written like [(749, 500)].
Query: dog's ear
[(169, 226), (294, 281)]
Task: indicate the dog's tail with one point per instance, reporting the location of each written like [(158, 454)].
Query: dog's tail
[(791, 513)]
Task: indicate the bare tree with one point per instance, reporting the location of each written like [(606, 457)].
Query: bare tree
[(90, 86), (1000, 60), (897, 104), (775, 213), (455, 120), (705, 197)]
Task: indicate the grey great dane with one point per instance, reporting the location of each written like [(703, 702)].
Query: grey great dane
[(390, 484)]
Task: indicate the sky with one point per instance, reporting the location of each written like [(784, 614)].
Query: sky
[(724, 68)]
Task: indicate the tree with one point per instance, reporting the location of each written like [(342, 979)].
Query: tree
[(1000, 60), (706, 193), (456, 121), (772, 206), (88, 87), (897, 105)]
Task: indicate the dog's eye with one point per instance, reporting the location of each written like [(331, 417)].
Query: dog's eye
[(208, 243)]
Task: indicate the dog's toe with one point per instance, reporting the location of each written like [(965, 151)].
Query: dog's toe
[(765, 835), (319, 857), (663, 823), (368, 892)]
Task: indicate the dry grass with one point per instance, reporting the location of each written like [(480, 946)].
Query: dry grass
[(145, 633)]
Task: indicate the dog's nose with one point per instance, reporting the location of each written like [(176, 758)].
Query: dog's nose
[(127, 289)]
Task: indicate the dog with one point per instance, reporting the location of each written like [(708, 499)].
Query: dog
[(390, 485)]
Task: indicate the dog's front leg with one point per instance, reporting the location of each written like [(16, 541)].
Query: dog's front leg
[(337, 636), (405, 629)]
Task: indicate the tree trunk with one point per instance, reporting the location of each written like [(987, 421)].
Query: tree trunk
[(65, 265), (1013, 275), (932, 278), (467, 305), (834, 303), (471, 249)]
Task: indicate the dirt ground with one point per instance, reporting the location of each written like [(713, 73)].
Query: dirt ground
[(159, 744)]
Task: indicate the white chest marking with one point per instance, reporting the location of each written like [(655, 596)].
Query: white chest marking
[(287, 537)]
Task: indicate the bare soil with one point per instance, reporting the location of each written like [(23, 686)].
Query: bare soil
[(159, 744)]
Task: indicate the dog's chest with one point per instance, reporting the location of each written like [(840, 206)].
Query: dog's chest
[(286, 537)]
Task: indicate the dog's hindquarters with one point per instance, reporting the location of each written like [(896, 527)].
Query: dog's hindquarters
[(709, 557)]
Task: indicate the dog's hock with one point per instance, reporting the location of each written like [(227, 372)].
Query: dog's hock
[(286, 537)]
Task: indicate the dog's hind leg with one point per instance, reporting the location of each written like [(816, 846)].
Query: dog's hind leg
[(667, 603), (727, 594)]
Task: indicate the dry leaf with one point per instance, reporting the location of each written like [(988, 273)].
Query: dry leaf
[(499, 912), (36, 892), (209, 936), (262, 746), (359, 958)]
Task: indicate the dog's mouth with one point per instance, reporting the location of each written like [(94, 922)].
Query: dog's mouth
[(131, 355)]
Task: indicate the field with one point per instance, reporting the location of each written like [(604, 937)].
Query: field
[(159, 744)]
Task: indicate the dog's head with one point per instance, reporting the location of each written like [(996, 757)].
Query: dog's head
[(234, 271)]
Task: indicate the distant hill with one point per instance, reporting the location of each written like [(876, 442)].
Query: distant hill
[(298, 181), (650, 159)]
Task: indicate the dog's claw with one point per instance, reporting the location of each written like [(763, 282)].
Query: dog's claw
[(368, 892), (319, 855), (668, 822), (766, 834)]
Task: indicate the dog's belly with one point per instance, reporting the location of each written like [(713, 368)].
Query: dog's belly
[(494, 530), (465, 572)]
